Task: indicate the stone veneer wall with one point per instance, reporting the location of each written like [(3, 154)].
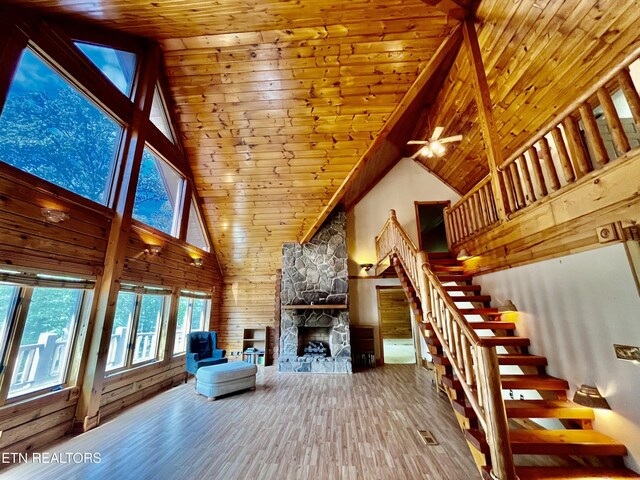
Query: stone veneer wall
[(316, 274)]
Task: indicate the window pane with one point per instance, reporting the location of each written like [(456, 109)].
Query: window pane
[(197, 318), (50, 130), (117, 65), (158, 115), (146, 344), (184, 311), (45, 346), (7, 301), (157, 193), (120, 333), (195, 231)]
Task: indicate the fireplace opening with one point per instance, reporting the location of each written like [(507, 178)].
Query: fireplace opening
[(314, 341)]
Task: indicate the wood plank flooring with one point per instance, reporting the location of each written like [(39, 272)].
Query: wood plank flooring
[(293, 426)]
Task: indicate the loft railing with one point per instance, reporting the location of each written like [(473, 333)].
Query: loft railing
[(474, 363), (474, 213), (585, 137)]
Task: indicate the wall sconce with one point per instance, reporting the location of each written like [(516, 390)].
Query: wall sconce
[(463, 255), (153, 249), (589, 396), (507, 307), (54, 216), (366, 266), (197, 262)]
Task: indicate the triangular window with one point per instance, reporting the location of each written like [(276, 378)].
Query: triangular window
[(117, 65), (159, 115), (196, 235)]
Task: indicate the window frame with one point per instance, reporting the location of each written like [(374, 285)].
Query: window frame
[(139, 292), (16, 321), (191, 296)]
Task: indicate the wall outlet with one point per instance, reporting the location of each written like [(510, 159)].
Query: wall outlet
[(607, 233), (627, 352)]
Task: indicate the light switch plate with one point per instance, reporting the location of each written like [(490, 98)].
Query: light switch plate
[(627, 352)]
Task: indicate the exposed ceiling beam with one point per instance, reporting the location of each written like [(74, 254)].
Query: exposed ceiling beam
[(458, 9), (387, 148)]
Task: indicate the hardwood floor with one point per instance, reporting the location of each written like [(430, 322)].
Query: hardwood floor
[(293, 426)]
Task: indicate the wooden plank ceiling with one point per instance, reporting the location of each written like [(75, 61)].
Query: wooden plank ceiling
[(277, 100)]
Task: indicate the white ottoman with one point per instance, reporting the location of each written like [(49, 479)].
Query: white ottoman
[(217, 380)]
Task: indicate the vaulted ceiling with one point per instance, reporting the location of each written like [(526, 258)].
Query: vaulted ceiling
[(278, 100)]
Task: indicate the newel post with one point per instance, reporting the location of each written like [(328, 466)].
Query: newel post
[(423, 281), (502, 465)]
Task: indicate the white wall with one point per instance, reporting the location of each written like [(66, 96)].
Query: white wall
[(405, 184), (574, 309)]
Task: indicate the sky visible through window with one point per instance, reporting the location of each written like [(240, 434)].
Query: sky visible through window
[(118, 66), (52, 131), (157, 193)]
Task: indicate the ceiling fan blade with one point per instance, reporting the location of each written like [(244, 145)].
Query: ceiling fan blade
[(437, 132), (417, 142), (455, 138)]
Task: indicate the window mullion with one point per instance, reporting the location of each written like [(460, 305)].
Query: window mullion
[(134, 331), (20, 316)]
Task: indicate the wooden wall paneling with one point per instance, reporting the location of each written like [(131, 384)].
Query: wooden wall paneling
[(74, 246), (564, 222), (89, 403), (386, 149), (246, 302)]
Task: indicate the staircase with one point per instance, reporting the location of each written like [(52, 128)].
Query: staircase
[(475, 336), (526, 437)]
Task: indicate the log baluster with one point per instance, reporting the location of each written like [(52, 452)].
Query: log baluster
[(517, 184), (620, 140), (541, 187), (508, 186), (526, 176), (578, 151), (563, 155), (547, 159), (630, 93), (592, 132)]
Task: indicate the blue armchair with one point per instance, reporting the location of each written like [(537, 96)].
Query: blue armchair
[(202, 351)]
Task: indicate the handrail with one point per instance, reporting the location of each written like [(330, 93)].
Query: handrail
[(632, 57), (574, 143), (474, 363)]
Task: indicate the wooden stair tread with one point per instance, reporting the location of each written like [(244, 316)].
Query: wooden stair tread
[(547, 409), (494, 325), (448, 277), (534, 409), (517, 382), (471, 298), (506, 341), (533, 382), (554, 442), (443, 261), (478, 311), (462, 288), (575, 473), (510, 359), (521, 359), (492, 341), (447, 268)]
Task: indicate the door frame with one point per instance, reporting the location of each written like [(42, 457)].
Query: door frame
[(446, 203), (380, 337)]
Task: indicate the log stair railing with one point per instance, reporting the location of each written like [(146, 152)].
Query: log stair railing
[(470, 343), (586, 136)]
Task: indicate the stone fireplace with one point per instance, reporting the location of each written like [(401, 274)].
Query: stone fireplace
[(315, 275)]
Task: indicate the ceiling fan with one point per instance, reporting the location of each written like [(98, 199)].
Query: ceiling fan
[(434, 147)]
